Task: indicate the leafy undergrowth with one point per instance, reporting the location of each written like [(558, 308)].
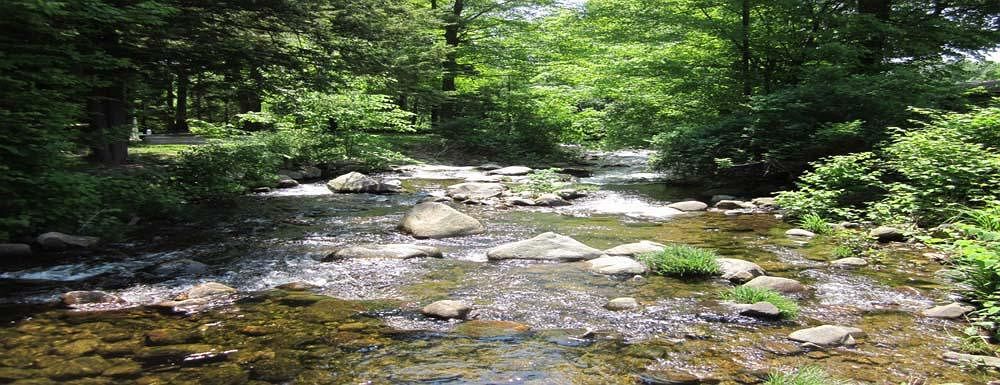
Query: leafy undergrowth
[(683, 261)]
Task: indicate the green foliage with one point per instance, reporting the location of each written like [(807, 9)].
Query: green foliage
[(683, 261), (222, 170), (838, 187), (212, 130), (809, 375), (542, 181), (975, 243), (750, 295), (815, 223)]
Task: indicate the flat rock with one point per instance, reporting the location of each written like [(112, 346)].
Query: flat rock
[(510, 171), (689, 206), (778, 284), (437, 220), (633, 249), (849, 262), (355, 182), (80, 298), (765, 310), (206, 290), (14, 251), (970, 359), (548, 246), (490, 328), (570, 194), (475, 191), (623, 303), (800, 233), (827, 335), (886, 234), (390, 251), (615, 265), (55, 241), (765, 202), (519, 201), (733, 205), (550, 200), (489, 166), (949, 311), (180, 267), (447, 309), (738, 270)]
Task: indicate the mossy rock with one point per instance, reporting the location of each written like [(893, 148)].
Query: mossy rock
[(76, 368), (160, 337), (118, 349), (171, 353), (488, 329), (78, 347), (279, 369), (123, 368), (223, 375), (13, 374), (330, 310)]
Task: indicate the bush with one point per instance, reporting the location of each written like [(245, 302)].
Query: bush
[(809, 375), (815, 223), (839, 187), (975, 243), (683, 261), (750, 295), (541, 181)]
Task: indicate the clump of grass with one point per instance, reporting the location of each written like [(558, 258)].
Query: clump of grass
[(842, 251), (809, 375), (815, 223), (750, 295), (683, 261)]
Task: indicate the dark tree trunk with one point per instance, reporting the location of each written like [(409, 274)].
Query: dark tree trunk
[(875, 39), (745, 59), (109, 124), (180, 112), (250, 97), (453, 26)]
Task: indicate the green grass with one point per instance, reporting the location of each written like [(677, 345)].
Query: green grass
[(750, 295), (155, 153), (815, 223), (809, 375), (683, 261)]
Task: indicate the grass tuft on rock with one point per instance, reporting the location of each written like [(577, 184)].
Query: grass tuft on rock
[(683, 261), (816, 224), (809, 375), (751, 295)]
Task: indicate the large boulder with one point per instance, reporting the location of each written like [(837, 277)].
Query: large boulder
[(355, 182), (689, 206), (511, 171), (949, 311), (778, 284), (14, 251), (391, 251), (634, 249), (615, 265), (738, 270), (437, 220), (886, 234), (547, 246), (447, 309), (827, 335), (54, 241), (475, 191)]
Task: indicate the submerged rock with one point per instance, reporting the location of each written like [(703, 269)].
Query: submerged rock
[(355, 182), (55, 241), (738, 270), (475, 191), (550, 200), (633, 249), (511, 171), (391, 251), (489, 329), (80, 298), (179, 267), (205, 290), (14, 251), (800, 233), (849, 262), (615, 265), (436, 220), (447, 309), (547, 246), (827, 335), (674, 377), (623, 303), (949, 311), (689, 206), (972, 360), (296, 286), (778, 284), (887, 234)]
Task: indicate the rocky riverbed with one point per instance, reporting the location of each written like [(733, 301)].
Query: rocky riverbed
[(317, 287)]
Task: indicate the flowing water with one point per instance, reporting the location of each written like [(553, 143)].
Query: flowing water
[(537, 322)]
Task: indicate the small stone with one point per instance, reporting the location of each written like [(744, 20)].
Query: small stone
[(689, 206), (826, 335), (623, 303), (800, 233), (765, 202), (447, 309), (887, 234), (764, 310), (76, 368), (949, 311), (849, 262), (778, 284)]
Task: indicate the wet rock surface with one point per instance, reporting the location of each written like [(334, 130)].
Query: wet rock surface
[(546, 246), (437, 220)]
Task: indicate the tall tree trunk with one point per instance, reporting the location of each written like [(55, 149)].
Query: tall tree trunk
[(249, 97), (745, 59), (875, 40), (180, 112), (452, 28), (109, 124)]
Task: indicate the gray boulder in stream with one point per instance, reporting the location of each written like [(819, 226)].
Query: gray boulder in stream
[(546, 247), (511, 171), (738, 270), (355, 182), (617, 265), (778, 284), (391, 251), (437, 220), (475, 191), (55, 241), (828, 335), (634, 249)]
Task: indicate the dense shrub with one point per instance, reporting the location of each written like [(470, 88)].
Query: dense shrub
[(683, 261), (838, 187), (750, 295)]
